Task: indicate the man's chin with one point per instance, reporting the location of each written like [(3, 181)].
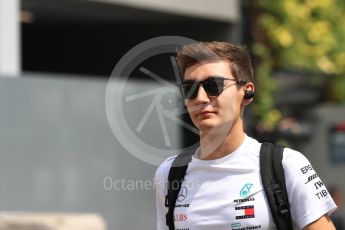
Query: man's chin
[(213, 127), (208, 126)]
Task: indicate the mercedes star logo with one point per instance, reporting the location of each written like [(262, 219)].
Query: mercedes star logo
[(182, 195)]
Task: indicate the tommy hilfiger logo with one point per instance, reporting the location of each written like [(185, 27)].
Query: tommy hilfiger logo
[(245, 212)]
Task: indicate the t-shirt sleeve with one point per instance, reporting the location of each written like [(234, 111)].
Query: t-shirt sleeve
[(161, 180), (308, 196)]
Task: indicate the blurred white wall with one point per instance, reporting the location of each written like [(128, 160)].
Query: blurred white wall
[(9, 38)]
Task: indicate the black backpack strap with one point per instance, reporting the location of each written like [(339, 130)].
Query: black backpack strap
[(176, 175), (273, 179)]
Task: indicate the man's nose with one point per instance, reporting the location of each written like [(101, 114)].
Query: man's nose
[(202, 96)]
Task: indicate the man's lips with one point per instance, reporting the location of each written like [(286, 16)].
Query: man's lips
[(204, 112)]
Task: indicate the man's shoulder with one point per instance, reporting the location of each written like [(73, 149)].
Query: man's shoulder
[(163, 168), (292, 155), (167, 162)]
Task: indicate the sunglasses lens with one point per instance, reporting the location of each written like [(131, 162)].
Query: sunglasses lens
[(214, 86), (189, 90)]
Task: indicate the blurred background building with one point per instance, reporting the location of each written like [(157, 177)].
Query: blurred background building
[(58, 151)]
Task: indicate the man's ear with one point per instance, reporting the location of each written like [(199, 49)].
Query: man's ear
[(248, 93)]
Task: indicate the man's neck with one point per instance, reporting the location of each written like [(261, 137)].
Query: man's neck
[(217, 144)]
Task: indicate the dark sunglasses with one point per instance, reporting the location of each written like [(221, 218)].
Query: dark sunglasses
[(213, 86)]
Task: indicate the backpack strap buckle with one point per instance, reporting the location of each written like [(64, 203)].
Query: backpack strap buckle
[(166, 201), (283, 207)]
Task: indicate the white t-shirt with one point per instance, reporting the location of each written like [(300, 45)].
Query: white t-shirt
[(227, 193)]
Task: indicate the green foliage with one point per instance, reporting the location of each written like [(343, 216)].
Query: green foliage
[(306, 35)]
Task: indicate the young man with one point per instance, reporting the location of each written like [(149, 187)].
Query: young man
[(222, 188)]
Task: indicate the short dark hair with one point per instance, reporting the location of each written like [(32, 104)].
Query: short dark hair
[(238, 57)]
